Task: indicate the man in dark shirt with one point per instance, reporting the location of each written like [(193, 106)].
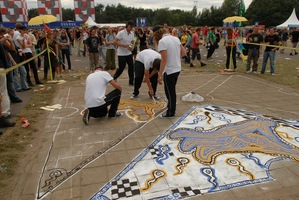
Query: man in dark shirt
[(254, 50), (92, 44), (270, 39), (295, 38)]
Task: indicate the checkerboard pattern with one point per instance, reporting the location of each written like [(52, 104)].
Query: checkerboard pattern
[(186, 191), (155, 152), (124, 188)]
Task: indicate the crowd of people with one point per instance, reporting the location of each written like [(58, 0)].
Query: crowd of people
[(152, 55)]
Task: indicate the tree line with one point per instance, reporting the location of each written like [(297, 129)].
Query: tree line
[(266, 12)]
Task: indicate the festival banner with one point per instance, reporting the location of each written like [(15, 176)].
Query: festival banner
[(84, 9), (14, 10), (51, 7)]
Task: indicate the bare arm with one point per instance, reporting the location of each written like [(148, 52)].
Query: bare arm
[(162, 65), (147, 81), (115, 85), (183, 51)]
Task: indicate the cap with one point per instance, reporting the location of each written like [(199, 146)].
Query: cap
[(156, 28)]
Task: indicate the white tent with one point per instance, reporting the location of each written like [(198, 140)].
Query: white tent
[(91, 23), (291, 22)]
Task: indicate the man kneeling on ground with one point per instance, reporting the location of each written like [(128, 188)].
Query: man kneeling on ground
[(96, 101)]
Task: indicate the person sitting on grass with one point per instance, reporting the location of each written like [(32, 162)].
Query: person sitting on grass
[(96, 101)]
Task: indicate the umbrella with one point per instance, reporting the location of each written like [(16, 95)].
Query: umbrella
[(235, 19), (42, 19)]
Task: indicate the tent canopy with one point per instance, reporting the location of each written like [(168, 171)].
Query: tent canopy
[(91, 23), (291, 22)]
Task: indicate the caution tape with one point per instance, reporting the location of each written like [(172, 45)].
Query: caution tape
[(269, 45), (21, 63)]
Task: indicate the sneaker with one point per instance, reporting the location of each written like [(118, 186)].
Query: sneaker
[(6, 123), (272, 74), (86, 117), (248, 72), (203, 64), (291, 54), (134, 96), (156, 98), (255, 72), (117, 114), (191, 65), (165, 115), (17, 101), (296, 53)]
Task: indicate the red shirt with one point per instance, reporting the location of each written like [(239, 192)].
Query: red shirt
[(195, 39)]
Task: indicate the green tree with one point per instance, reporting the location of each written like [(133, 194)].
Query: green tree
[(271, 12), (33, 12), (231, 7), (68, 14)]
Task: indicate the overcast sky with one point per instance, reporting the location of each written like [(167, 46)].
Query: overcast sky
[(151, 4)]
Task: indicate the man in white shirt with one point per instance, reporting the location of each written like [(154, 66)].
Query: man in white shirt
[(171, 51), (147, 65), (96, 102), (125, 42)]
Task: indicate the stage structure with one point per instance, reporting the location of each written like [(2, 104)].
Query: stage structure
[(84, 9), (51, 7), (14, 10)]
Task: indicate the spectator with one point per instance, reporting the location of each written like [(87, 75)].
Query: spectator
[(110, 52), (85, 34), (142, 39), (8, 61), (102, 44), (271, 39), (56, 37), (254, 51), (231, 49), (284, 39), (294, 40), (211, 43), (19, 85), (52, 44), (195, 49), (78, 40), (92, 44), (65, 50), (25, 43)]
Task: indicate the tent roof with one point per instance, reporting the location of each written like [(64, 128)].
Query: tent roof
[(291, 22), (91, 23)]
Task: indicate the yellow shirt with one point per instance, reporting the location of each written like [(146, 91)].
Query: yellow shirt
[(184, 39)]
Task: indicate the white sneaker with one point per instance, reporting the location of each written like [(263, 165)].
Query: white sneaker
[(134, 97), (273, 74)]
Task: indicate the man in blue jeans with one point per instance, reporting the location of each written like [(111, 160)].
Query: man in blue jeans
[(270, 39), (96, 102)]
